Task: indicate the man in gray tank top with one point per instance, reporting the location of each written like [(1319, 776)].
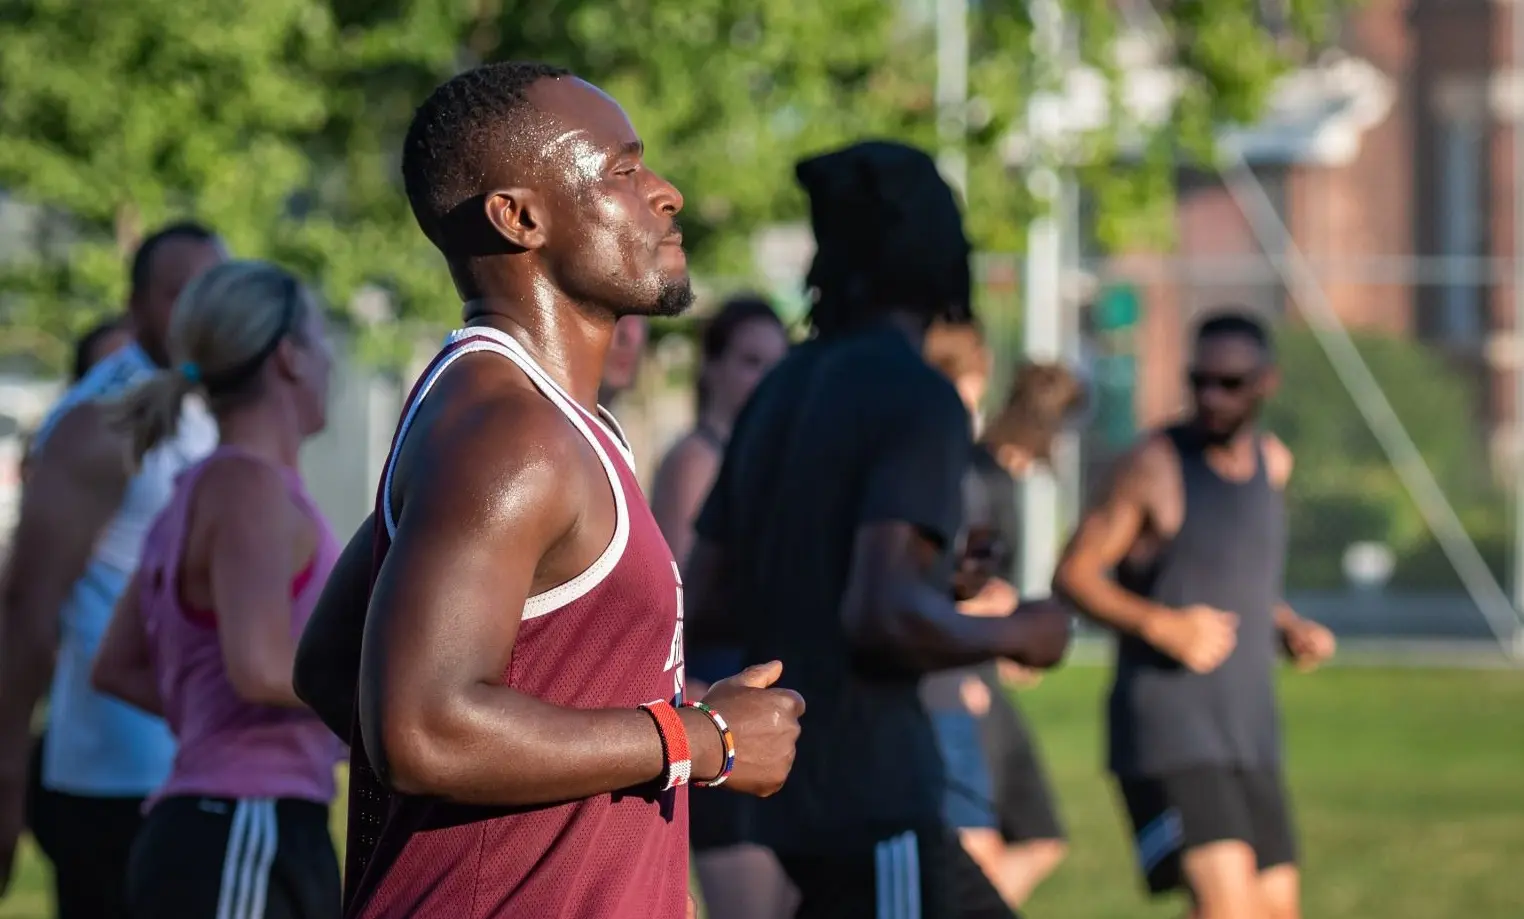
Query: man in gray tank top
[(1193, 525)]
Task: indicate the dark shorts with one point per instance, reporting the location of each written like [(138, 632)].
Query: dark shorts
[(89, 866), (968, 800), (1193, 807), (1024, 804), (912, 875), (221, 858)]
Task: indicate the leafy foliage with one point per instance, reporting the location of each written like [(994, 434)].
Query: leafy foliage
[(280, 121), (1345, 490), (122, 115)]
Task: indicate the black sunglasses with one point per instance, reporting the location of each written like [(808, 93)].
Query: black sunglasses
[(1227, 382)]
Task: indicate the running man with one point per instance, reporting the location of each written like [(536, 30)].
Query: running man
[(83, 518), (523, 747), (205, 635), (827, 543), (1194, 525)]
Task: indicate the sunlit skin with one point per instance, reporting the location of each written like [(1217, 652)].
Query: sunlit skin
[(500, 498)]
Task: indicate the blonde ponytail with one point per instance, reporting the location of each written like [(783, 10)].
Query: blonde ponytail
[(226, 323), (149, 413)]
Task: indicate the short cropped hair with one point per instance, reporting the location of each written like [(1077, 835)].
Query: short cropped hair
[(141, 270), (465, 121), (1234, 321)]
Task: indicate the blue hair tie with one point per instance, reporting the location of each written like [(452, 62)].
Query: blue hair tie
[(191, 372)]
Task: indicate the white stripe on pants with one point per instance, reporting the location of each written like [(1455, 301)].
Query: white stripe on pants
[(897, 876), (246, 867)]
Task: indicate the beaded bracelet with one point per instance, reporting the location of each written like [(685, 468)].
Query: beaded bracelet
[(674, 744), (727, 740)]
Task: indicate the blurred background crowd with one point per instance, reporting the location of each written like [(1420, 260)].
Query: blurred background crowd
[(1354, 173)]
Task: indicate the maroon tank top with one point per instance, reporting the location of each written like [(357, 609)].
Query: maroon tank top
[(609, 638)]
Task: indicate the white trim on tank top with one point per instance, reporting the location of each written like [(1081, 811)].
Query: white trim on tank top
[(498, 343)]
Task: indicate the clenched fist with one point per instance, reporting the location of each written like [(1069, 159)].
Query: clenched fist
[(765, 722), (1201, 637)]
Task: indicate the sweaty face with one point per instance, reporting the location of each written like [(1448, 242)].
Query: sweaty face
[(1229, 380), (612, 236), (753, 349), (175, 263)]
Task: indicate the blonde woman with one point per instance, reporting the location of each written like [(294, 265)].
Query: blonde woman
[(206, 634)]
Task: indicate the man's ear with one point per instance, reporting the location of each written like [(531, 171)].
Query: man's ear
[(518, 216)]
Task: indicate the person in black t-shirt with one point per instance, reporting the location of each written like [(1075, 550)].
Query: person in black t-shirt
[(827, 542), (997, 795), (740, 344)]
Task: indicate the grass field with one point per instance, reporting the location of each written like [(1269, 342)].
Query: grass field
[(1408, 785)]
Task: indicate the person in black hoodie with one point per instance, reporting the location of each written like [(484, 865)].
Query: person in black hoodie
[(827, 544)]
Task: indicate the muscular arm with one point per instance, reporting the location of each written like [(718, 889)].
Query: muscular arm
[(477, 522), (681, 484), (75, 485), (124, 666), (328, 654), (891, 609), (911, 508), (1107, 532), (250, 573)]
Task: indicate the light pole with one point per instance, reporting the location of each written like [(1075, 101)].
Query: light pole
[(952, 92)]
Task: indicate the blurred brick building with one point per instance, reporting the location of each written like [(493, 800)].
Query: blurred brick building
[(1390, 162)]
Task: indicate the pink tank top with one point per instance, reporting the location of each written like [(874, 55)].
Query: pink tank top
[(228, 747)]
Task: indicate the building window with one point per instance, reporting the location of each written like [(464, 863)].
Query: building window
[(1461, 147)]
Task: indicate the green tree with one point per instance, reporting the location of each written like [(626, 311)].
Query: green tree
[(280, 121), (729, 93), (1345, 489), (115, 116)]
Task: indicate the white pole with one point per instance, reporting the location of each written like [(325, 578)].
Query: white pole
[(1042, 341), (952, 92), (1068, 458), (1516, 339), (1042, 316)]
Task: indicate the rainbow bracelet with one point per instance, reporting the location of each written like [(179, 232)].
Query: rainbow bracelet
[(727, 739)]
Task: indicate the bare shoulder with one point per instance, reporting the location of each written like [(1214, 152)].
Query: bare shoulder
[(1278, 461), (241, 486), (86, 443), (1152, 462), (488, 448), (691, 455)]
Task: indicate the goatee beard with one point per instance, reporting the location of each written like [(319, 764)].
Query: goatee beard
[(674, 298)]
